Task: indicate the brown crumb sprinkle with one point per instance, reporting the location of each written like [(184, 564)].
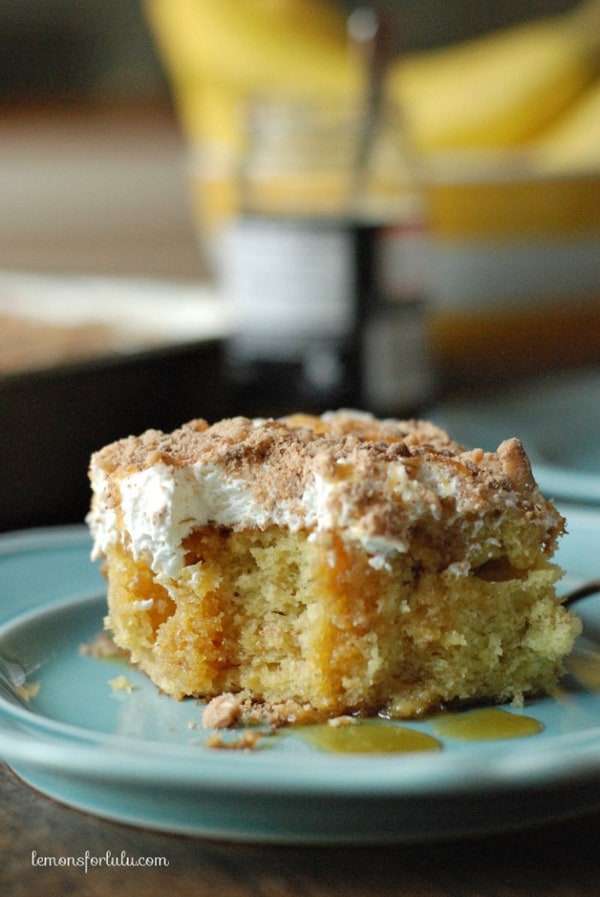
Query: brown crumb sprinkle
[(229, 710), (337, 722), (102, 647), (223, 712), (246, 741)]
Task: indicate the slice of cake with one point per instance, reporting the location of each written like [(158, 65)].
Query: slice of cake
[(337, 563)]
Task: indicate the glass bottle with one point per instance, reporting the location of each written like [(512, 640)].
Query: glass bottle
[(322, 266)]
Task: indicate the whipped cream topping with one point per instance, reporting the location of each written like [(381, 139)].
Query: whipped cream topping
[(160, 506), (370, 481)]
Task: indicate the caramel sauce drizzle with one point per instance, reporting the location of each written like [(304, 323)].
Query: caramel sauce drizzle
[(380, 737)]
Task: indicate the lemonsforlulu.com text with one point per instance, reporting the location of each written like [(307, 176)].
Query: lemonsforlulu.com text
[(87, 861)]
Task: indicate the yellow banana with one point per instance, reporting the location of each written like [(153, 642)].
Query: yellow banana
[(256, 45), (573, 143), (499, 90), (210, 113), (493, 92)]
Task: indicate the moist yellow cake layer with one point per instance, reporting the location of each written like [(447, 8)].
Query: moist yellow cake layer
[(281, 617)]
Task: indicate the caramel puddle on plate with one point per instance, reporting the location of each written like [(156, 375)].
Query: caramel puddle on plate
[(367, 737), (485, 724), (381, 737)]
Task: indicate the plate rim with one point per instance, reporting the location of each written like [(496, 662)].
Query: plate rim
[(521, 765)]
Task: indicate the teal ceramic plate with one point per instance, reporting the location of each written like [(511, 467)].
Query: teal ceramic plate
[(138, 757), (557, 418)]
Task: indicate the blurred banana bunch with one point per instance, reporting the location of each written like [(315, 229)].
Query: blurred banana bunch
[(504, 89), (217, 52), (534, 85), (572, 143)]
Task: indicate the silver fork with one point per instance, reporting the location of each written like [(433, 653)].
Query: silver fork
[(12, 677), (582, 591)]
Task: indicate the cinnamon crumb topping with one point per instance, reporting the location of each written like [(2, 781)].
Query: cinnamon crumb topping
[(388, 472)]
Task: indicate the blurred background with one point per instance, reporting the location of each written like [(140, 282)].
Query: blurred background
[(91, 157), (63, 51), (109, 110)]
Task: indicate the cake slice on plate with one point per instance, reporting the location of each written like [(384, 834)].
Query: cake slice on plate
[(340, 564)]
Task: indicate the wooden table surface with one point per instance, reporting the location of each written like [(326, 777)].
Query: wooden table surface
[(561, 859)]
